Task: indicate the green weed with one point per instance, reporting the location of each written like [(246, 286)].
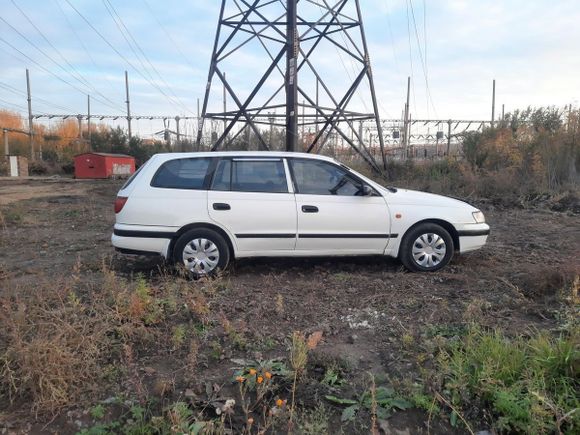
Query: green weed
[(531, 385), (178, 336), (313, 422), (379, 400)]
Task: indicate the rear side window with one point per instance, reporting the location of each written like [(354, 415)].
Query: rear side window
[(132, 177), (268, 176), (182, 174)]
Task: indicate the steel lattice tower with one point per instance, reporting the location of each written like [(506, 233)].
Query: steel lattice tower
[(290, 44)]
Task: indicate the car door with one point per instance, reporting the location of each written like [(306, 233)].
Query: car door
[(253, 199), (335, 216)]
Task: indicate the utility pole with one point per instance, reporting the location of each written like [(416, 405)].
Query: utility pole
[(493, 106), (80, 121), (292, 47), (409, 148), (79, 147), (5, 131), (449, 136), (89, 122), (30, 126), (503, 113), (199, 127), (128, 105), (177, 129), (6, 147), (406, 120), (272, 119), (225, 102)]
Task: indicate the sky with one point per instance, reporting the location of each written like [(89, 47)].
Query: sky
[(453, 49)]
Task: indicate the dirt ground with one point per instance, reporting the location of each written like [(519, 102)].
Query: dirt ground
[(364, 306)]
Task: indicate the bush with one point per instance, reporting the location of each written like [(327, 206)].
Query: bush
[(531, 385), (68, 167), (531, 155), (38, 168)]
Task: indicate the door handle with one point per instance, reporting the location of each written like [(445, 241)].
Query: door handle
[(221, 206), (309, 209)]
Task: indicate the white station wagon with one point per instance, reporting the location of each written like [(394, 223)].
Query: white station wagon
[(204, 209)]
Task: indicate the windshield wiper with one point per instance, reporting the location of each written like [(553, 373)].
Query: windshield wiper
[(392, 189)]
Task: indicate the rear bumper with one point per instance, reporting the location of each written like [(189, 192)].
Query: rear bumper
[(142, 241), (472, 237)]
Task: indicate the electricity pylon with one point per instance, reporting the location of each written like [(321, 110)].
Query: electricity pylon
[(279, 52)]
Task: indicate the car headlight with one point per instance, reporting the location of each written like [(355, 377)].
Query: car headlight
[(479, 217)]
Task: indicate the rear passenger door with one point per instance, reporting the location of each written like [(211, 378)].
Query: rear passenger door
[(252, 198)]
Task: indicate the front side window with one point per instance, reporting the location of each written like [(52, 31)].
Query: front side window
[(315, 177), (182, 174), (268, 176)]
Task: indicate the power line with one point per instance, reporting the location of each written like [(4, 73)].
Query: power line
[(117, 51), (175, 44), (18, 92), (423, 63), (426, 53), (18, 106), (77, 75), (120, 21), (80, 40), (390, 26), (49, 71), (48, 57), (411, 54)]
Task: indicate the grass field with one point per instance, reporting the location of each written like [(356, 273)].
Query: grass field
[(94, 343)]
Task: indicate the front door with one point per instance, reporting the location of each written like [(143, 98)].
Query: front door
[(334, 216), (252, 199)]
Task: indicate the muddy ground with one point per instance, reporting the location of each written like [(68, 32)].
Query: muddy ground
[(363, 306)]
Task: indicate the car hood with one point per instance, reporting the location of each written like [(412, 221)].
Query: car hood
[(414, 197)]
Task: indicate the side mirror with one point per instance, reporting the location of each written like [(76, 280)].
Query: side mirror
[(367, 190)]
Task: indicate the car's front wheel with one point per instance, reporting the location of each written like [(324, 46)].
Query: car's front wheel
[(202, 252), (426, 248)]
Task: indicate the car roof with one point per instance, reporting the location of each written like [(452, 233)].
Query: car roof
[(243, 154)]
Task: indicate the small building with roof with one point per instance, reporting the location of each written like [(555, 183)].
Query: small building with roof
[(103, 165)]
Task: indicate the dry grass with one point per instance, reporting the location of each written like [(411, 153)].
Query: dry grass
[(62, 341), (51, 347)]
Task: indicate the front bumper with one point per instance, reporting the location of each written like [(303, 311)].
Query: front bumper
[(472, 237)]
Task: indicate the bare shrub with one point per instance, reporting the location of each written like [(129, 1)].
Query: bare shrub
[(50, 347)]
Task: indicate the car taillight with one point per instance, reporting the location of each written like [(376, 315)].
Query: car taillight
[(120, 203)]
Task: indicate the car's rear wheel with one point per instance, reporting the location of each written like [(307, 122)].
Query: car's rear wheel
[(202, 252), (426, 248)]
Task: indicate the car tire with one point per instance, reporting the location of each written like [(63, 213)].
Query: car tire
[(201, 252), (426, 248)]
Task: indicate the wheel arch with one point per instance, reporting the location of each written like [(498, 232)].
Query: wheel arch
[(200, 225), (442, 223)]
